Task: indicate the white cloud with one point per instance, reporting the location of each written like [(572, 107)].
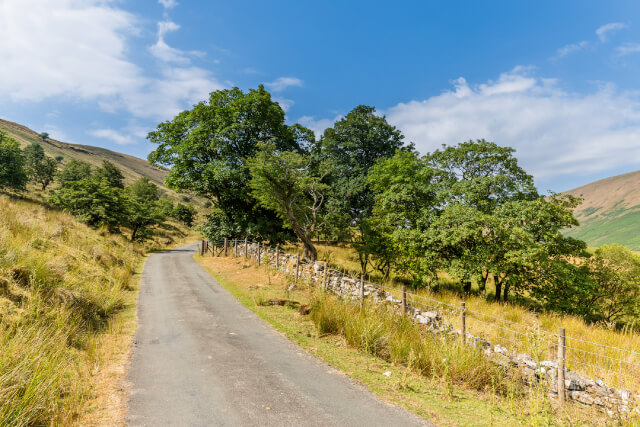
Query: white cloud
[(570, 48), (285, 103), (628, 48), (168, 4), (78, 50), (113, 136), (604, 31), (282, 83), (555, 133), (318, 126), (64, 47)]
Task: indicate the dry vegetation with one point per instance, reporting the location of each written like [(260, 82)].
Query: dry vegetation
[(436, 378), (522, 330), (67, 313)]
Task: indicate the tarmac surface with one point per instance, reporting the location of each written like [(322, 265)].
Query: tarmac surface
[(203, 359)]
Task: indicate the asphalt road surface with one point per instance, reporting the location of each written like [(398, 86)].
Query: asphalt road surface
[(203, 359)]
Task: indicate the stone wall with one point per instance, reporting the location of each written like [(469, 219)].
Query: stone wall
[(578, 387)]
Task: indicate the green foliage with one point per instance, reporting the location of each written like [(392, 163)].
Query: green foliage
[(43, 135), (111, 174), (72, 172), (283, 182), (184, 213), (207, 147), (13, 175), (616, 273), (143, 210), (40, 167)]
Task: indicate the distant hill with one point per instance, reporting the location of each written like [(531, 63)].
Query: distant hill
[(610, 211), (132, 167)]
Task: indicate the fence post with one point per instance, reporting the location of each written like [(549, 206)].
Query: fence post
[(404, 298), (463, 321), (325, 283), (202, 248), (246, 245), (277, 257), (361, 290), (297, 266), (259, 257), (235, 248), (225, 246), (214, 250), (561, 351)]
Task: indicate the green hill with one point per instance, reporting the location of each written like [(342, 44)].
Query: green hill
[(610, 212), (132, 167)]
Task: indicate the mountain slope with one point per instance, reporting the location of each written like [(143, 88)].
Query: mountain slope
[(132, 167), (610, 211)]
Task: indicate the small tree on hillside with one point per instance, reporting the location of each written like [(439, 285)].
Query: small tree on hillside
[(12, 168), (143, 210), (40, 167), (72, 172), (43, 135), (184, 213)]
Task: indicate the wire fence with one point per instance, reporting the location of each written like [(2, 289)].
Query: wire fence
[(614, 366)]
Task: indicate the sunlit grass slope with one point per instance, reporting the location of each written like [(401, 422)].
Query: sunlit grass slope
[(61, 283)]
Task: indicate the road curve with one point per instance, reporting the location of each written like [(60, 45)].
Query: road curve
[(201, 358)]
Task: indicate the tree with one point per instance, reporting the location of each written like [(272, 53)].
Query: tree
[(616, 273), (12, 164), (43, 135), (282, 181), (72, 172), (207, 147), (143, 209), (92, 200), (111, 173), (184, 213), (352, 146), (40, 167)]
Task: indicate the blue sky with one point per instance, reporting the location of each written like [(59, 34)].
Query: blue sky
[(555, 80)]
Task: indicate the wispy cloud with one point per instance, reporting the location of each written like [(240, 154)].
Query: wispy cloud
[(570, 48), (606, 30), (627, 49), (168, 4), (555, 133), (113, 136), (282, 83)]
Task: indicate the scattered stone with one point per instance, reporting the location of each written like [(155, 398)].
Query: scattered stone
[(387, 373)]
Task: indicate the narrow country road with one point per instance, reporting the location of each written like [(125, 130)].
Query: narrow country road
[(203, 359)]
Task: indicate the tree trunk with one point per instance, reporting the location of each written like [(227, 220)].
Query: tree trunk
[(483, 283), (311, 251), (505, 296), (133, 234), (498, 289), (467, 286)]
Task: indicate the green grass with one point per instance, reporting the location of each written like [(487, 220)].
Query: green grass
[(621, 228), (434, 377)]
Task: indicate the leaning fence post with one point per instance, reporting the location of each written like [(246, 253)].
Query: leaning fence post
[(404, 298), (463, 321), (361, 290), (278, 257), (225, 246), (561, 351), (297, 266)]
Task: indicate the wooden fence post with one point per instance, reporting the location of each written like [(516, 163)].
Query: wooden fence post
[(297, 266), (202, 248), (214, 250), (561, 351), (404, 298), (361, 290), (325, 283), (225, 246), (259, 257), (277, 257), (463, 321), (246, 245), (235, 248)]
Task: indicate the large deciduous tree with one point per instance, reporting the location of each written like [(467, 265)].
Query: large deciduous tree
[(207, 148)]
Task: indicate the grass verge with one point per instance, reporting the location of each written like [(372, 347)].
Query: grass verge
[(447, 396)]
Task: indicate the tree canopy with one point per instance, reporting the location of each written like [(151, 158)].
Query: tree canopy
[(13, 175)]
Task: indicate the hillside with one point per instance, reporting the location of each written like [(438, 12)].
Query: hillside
[(132, 167), (610, 211)]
